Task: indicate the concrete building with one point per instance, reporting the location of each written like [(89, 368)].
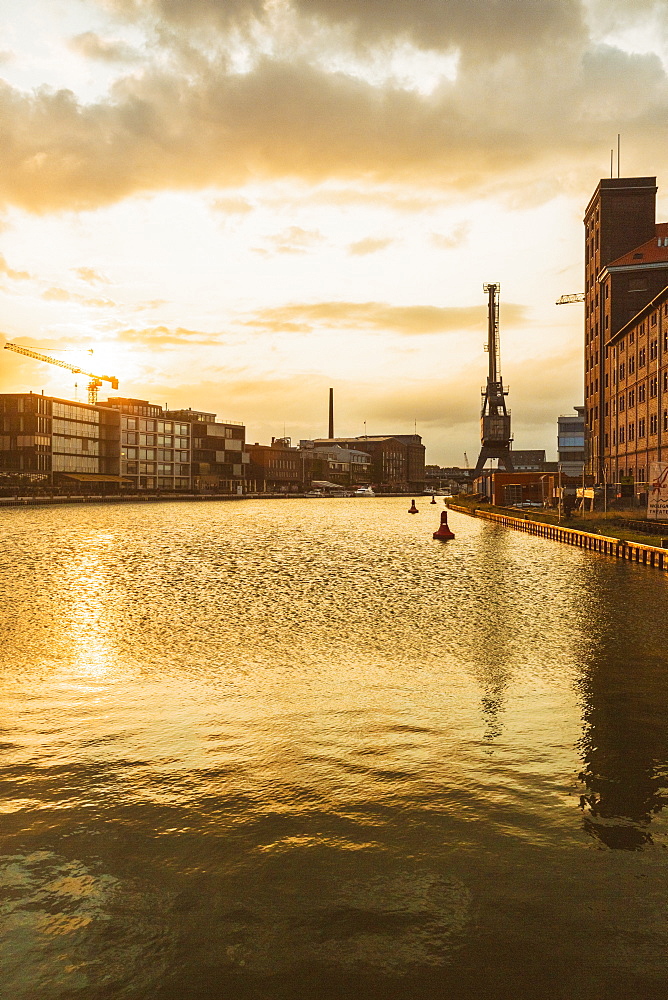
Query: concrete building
[(155, 452), (219, 458), (571, 442), (626, 325)]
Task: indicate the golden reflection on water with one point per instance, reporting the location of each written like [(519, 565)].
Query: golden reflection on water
[(258, 738)]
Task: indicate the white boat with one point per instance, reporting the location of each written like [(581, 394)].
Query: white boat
[(364, 491)]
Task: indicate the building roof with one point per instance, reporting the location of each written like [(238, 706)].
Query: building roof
[(655, 251)]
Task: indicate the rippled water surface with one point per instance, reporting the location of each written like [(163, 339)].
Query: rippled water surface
[(297, 749)]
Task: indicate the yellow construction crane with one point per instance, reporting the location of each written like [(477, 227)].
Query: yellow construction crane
[(95, 380), (564, 300)]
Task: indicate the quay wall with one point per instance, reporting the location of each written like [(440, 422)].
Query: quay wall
[(647, 555)]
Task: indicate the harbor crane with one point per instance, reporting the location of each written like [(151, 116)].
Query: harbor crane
[(95, 380), (495, 435), (565, 300)]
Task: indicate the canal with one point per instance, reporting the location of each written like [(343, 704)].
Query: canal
[(279, 750)]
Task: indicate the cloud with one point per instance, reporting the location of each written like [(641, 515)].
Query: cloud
[(405, 320), (534, 98), (232, 206), (453, 240), (9, 272), (62, 295), (163, 336), (369, 245), (93, 46), (90, 275), (292, 240)]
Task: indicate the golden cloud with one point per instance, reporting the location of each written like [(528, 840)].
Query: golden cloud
[(369, 245), (9, 272), (406, 320), (163, 336), (63, 295)]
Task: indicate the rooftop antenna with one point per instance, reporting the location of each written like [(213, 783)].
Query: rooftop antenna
[(612, 154), (619, 148), (331, 414)]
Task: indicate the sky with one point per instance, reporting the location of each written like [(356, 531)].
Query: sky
[(236, 204)]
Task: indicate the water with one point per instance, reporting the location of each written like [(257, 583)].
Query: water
[(300, 750)]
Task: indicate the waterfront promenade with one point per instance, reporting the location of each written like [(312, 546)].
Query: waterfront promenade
[(304, 750)]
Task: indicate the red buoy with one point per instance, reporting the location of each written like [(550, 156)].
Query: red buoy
[(444, 532), (413, 509)]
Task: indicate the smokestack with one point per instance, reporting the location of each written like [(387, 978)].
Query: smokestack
[(331, 413)]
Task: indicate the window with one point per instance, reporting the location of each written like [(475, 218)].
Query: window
[(621, 435), (631, 431), (665, 420), (653, 423), (621, 404), (632, 365), (632, 337), (653, 387), (632, 397), (641, 427), (653, 348), (622, 371), (641, 393), (642, 357)]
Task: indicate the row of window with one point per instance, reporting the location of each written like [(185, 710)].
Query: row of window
[(149, 468), (151, 440), (75, 446), (629, 433), (72, 412), (154, 426)]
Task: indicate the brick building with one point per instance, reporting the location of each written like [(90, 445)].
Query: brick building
[(626, 331), (397, 461), (275, 467)]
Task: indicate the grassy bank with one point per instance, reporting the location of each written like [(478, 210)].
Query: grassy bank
[(610, 523)]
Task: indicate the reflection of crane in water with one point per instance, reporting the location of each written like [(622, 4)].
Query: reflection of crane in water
[(95, 380), (494, 417)]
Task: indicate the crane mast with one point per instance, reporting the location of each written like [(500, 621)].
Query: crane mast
[(495, 436), (95, 380)]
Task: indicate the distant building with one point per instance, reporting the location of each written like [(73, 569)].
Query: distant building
[(335, 464), (219, 457), (397, 461), (506, 489), (275, 468), (50, 442), (155, 452), (571, 442), (532, 460), (120, 444)]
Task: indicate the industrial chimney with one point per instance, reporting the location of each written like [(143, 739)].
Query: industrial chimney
[(331, 414)]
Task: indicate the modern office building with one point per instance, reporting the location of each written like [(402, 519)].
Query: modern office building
[(219, 456), (120, 444), (571, 442), (50, 442), (155, 451)]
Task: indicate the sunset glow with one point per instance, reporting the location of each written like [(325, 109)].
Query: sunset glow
[(239, 204)]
